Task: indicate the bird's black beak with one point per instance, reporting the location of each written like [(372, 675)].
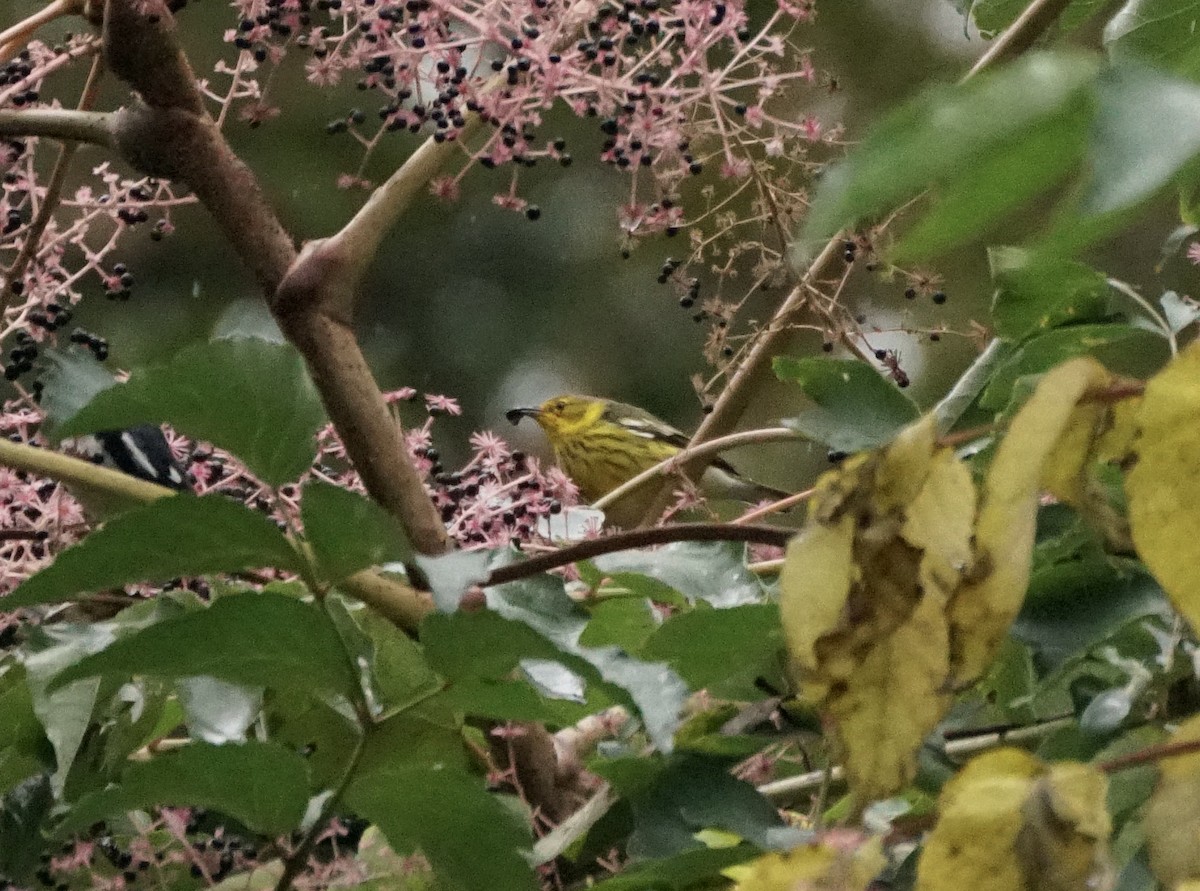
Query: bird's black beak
[(514, 415)]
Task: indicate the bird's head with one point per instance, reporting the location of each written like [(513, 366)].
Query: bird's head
[(562, 416)]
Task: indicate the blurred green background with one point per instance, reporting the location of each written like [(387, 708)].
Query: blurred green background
[(474, 301)]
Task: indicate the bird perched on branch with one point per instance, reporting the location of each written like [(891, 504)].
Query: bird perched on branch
[(601, 444)]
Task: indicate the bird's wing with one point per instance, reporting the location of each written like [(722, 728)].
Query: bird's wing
[(641, 423)]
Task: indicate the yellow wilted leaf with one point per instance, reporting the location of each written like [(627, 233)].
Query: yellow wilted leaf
[(864, 591), (1164, 484), (974, 842), (1172, 821), (1063, 844), (1007, 822), (843, 861), (987, 602), (891, 701)]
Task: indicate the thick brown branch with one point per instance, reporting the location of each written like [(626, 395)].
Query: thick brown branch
[(170, 135)]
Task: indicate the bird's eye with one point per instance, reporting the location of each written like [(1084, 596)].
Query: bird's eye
[(560, 406)]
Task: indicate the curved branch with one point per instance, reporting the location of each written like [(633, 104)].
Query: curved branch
[(639, 538), (1034, 21), (79, 473), (170, 135), (695, 453), (95, 127)]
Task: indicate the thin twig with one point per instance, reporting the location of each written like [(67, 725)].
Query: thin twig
[(66, 153), (12, 39), (639, 538), (1034, 21), (696, 453)]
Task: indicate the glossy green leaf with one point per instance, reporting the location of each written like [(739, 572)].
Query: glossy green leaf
[(1121, 348), (1162, 33), (993, 16), (695, 792), (936, 137), (1075, 605), (653, 688), (857, 407), (23, 813), (712, 572), (722, 651), (1035, 293), (262, 785), (690, 869), (250, 397), (171, 537), (71, 380), (259, 639), (24, 748), (624, 622), (349, 531), (472, 841), (394, 665), (1134, 153)]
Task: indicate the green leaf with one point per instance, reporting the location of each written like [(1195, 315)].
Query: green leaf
[(449, 575), (857, 408), (1074, 606), (1121, 348), (934, 138), (348, 531), (690, 869), (653, 688), (713, 572), (695, 792), (250, 397), (394, 665), (1035, 293), (1133, 155), (23, 811), (71, 380), (722, 651), (1161, 33), (24, 748), (968, 204), (265, 639), (624, 622), (435, 811), (993, 16), (171, 537), (262, 785)]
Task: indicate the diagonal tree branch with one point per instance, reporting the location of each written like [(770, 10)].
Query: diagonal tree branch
[(169, 134), (1038, 16)]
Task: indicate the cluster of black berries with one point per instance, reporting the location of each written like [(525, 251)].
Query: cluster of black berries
[(457, 493), (272, 19), (15, 72), (122, 290), (13, 220), (21, 357), (94, 342), (668, 269), (54, 317), (938, 297)]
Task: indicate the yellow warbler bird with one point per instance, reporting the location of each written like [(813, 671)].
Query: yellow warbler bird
[(601, 444)]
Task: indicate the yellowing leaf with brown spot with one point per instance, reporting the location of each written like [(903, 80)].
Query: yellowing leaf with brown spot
[(986, 604), (1164, 484), (1063, 844), (891, 701), (1172, 822), (1007, 822), (973, 845), (842, 861), (864, 591)]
